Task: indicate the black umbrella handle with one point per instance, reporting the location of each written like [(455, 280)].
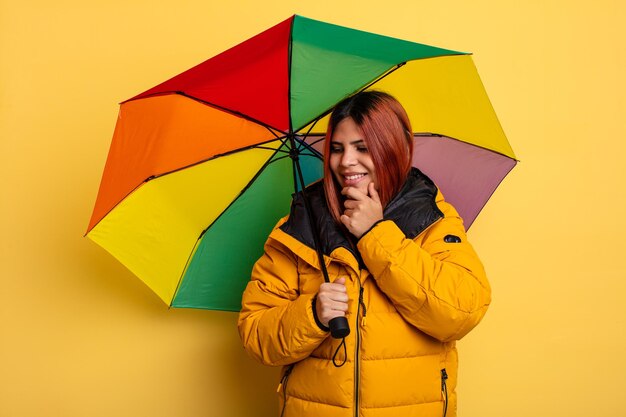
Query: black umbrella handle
[(339, 327)]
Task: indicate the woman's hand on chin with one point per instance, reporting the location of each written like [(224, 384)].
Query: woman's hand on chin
[(361, 211)]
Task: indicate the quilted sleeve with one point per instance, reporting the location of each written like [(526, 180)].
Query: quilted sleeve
[(276, 324), (437, 283)]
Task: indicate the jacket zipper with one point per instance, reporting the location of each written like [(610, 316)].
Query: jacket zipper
[(444, 391), (356, 354), (361, 304)]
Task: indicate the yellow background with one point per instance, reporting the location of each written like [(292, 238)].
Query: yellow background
[(80, 336)]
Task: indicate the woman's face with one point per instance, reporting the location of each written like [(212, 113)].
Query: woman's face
[(350, 160)]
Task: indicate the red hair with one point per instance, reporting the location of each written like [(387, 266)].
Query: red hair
[(389, 139)]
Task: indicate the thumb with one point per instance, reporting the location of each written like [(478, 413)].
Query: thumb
[(340, 280), (373, 193)]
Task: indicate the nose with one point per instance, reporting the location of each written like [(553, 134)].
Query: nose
[(348, 158)]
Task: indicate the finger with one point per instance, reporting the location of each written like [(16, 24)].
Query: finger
[(338, 298), (331, 314), (350, 204), (338, 290), (340, 280), (373, 193), (332, 287), (346, 221), (332, 304), (329, 303), (353, 193), (332, 296), (326, 315), (339, 306), (337, 286)]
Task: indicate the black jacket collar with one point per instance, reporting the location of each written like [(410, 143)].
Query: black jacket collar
[(413, 209)]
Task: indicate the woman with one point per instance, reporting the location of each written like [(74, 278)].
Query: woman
[(401, 272)]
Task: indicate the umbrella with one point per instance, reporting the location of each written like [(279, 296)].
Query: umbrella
[(202, 165)]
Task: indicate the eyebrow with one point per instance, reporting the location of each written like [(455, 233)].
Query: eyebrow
[(354, 142)]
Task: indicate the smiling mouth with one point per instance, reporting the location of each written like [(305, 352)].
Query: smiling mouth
[(354, 177), (353, 180)]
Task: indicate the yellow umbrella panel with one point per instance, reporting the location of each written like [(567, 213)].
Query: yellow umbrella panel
[(458, 140)]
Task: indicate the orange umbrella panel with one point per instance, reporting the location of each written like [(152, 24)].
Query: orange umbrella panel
[(162, 134)]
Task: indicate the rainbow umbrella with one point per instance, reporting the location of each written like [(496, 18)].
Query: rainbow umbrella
[(201, 166)]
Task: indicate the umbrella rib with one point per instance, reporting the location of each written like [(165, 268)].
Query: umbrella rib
[(182, 275), (272, 149), (208, 103), (427, 134), (289, 68), (385, 74), (398, 66), (312, 156), (440, 135), (302, 145), (255, 146), (279, 158), (241, 193), (283, 141), (421, 134), (155, 176), (273, 132), (317, 141), (494, 190)]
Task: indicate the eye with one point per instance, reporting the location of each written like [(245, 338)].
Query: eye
[(335, 149), (362, 149)]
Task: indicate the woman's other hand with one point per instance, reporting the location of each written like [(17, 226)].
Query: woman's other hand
[(332, 300), (361, 210)]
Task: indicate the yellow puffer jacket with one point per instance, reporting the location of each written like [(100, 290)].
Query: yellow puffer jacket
[(417, 288)]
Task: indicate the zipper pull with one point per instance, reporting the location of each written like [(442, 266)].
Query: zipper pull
[(284, 378), (444, 377), (362, 303), (280, 384)]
